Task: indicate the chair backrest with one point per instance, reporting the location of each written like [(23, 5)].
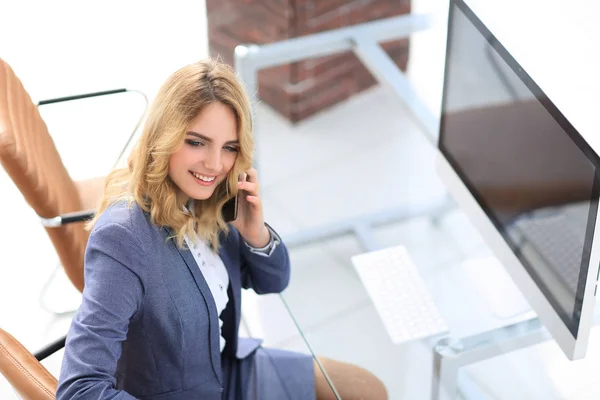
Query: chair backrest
[(24, 372), (28, 154)]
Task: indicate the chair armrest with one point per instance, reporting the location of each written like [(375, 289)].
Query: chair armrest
[(69, 218), (81, 96), (50, 349), (25, 374)]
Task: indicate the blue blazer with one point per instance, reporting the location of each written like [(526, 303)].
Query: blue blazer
[(147, 326)]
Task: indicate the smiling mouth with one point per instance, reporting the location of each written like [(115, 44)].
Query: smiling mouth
[(203, 179)]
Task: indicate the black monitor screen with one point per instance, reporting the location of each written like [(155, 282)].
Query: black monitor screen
[(525, 164)]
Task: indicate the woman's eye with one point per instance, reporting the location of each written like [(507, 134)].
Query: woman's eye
[(194, 143), (232, 149)]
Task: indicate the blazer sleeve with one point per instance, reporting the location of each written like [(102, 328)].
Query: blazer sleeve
[(112, 296), (265, 274)]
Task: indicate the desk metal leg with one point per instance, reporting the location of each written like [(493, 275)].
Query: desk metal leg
[(452, 354), (445, 369), (362, 226)]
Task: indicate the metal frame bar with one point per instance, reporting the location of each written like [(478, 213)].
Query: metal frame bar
[(80, 96), (363, 40), (384, 69), (50, 349), (64, 219)]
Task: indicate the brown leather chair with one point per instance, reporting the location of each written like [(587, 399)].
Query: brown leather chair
[(24, 371), (29, 156)]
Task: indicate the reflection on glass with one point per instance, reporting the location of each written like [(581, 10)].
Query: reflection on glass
[(554, 238)]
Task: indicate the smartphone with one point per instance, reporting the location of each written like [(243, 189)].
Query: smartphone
[(230, 209)]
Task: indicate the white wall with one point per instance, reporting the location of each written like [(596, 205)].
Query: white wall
[(556, 41), (67, 47), (552, 43)]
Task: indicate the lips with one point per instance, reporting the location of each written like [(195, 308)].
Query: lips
[(204, 180)]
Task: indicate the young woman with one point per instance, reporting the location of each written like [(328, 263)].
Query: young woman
[(164, 271)]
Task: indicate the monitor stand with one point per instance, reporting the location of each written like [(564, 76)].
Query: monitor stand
[(505, 301), (450, 355)]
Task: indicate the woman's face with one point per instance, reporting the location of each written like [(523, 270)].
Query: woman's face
[(208, 153)]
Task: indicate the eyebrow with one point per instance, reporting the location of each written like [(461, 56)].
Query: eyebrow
[(209, 140)]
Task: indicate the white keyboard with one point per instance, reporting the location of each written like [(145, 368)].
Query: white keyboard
[(399, 294)]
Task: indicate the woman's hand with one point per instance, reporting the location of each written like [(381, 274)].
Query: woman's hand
[(250, 221)]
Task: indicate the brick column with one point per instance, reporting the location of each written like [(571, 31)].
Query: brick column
[(301, 89)]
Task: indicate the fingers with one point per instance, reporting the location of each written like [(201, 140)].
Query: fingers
[(252, 175), (251, 185), (255, 201)]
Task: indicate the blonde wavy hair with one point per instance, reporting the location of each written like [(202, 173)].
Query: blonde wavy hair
[(146, 181)]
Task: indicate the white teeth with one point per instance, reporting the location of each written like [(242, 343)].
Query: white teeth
[(204, 178)]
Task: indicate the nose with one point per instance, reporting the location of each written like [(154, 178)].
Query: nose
[(212, 161)]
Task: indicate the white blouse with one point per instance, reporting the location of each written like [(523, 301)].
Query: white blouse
[(215, 274)]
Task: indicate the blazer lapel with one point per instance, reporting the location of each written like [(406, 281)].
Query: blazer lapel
[(210, 303), (233, 272)]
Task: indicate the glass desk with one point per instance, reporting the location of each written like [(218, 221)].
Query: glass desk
[(335, 318)]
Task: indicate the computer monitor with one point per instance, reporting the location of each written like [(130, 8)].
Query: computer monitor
[(525, 177)]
